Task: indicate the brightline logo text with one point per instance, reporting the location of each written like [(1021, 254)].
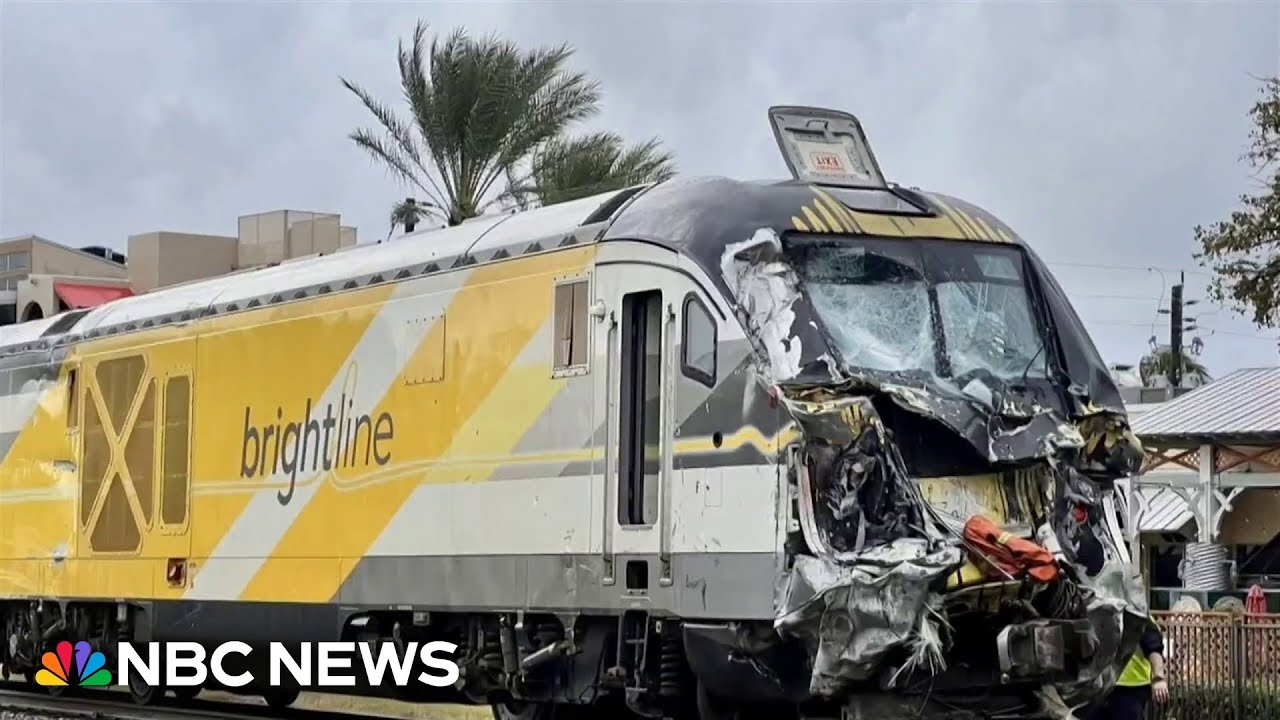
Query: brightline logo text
[(338, 664)]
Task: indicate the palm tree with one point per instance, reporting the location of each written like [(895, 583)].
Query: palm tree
[(566, 169), (1159, 363), (477, 108), (407, 214)]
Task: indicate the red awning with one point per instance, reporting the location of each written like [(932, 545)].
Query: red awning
[(77, 295)]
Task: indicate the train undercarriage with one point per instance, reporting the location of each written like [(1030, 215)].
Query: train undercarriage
[(525, 666), (529, 666)]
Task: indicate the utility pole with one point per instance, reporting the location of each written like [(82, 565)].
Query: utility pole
[(1175, 333)]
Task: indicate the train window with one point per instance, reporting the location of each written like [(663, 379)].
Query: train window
[(571, 334), (175, 466), (140, 453), (640, 434), (698, 344)]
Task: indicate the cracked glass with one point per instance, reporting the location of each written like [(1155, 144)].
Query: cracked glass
[(952, 309)]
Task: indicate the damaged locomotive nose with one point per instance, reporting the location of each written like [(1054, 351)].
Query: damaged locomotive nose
[(949, 524), (891, 588)]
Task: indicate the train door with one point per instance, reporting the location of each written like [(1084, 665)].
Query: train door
[(639, 331)]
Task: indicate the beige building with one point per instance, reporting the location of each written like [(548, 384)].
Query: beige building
[(27, 256), (39, 278), (160, 259), (272, 237)]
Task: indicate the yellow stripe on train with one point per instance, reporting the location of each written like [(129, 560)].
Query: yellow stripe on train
[(828, 215)]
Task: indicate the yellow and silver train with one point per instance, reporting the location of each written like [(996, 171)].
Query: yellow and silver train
[(691, 449)]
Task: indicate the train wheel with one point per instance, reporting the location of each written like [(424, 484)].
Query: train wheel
[(186, 693), (142, 692), (281, 698)]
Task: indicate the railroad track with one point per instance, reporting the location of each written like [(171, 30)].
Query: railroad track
[(16, 700)]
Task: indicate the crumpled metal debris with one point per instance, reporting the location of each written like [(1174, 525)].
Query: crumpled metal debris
[(1116, 607), (868, 497), (1110, 447), (869, 593), (868, 589), (865, 496), (853, 616)]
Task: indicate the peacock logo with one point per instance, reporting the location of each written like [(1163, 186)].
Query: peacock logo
[(90, 666)]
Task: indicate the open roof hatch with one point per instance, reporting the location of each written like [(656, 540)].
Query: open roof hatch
[(826, 147), (829, 147)]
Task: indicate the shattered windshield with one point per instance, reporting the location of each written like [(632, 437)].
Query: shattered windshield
[(953, 309)]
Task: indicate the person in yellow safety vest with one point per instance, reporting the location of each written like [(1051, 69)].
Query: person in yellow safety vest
[(1142, 679)]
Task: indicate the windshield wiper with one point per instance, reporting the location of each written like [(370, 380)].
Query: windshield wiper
[(1022, 381)]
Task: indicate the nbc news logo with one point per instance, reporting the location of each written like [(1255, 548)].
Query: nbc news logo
[(90, 667)]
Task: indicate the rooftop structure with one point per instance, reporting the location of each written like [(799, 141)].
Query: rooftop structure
[(1212, 472), (40, 278)]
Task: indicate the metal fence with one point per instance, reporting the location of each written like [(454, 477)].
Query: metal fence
[(1221, 666)]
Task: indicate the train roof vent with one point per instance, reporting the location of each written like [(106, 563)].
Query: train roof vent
[(612, 205)]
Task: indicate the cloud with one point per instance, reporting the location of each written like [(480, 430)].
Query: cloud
[(1103, 133)]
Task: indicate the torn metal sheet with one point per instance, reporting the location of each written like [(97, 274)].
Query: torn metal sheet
[(854, 615), (1110, 447), (866, 496), (1002, 425), (766, 293), (765, 288)]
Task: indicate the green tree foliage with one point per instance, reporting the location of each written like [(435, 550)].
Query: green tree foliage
[(1244, 250), (571, 168), (476, 107), (407, 214), (480, 109)]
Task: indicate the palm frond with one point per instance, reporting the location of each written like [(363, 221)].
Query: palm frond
[(408, 212), (479, 108), (566, 169)]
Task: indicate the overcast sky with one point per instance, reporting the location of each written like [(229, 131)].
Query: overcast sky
[(1103, 133)]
